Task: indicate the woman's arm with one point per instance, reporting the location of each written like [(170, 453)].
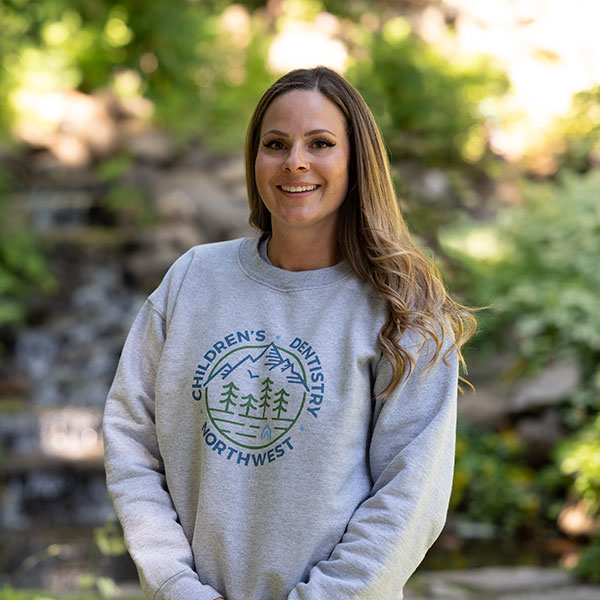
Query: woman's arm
[(135, 472), (412, 460)]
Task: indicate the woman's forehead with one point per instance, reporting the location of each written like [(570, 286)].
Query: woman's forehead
[(303, 111)]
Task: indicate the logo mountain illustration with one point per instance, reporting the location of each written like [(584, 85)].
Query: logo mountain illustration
[(270, 357), (255, 394)]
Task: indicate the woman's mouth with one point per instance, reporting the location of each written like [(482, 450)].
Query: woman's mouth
[(296, 189)]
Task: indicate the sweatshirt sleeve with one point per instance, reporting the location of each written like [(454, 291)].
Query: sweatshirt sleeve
[(135, 471), (411, 457)]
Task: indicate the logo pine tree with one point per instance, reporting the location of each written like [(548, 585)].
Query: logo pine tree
[(229, 394), (280, 401), (266, 396), (249, 404)]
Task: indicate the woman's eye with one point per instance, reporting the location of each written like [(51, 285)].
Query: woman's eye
[(320, 144), (274, 145)]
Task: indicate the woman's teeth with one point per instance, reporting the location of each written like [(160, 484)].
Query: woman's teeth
[(301, 188)]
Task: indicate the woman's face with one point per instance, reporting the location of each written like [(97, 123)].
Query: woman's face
[(302, 162)]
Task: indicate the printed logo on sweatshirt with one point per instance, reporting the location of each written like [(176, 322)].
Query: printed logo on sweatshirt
[(256, 392)]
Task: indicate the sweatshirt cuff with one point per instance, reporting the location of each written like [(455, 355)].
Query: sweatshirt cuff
[(185, 587)]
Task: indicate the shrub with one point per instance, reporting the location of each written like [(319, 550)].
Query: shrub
[(537, 269), (579, 457), (426, 105), (588, 566), (577, 135), (492, 484), (200, 78)]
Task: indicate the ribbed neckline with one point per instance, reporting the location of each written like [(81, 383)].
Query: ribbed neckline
[(259, 269)]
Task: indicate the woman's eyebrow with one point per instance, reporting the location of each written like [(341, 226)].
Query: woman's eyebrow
[(276, 132), (315, 131), (306, 134)]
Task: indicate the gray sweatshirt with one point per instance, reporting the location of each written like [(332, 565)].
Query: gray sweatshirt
[(246, 454)]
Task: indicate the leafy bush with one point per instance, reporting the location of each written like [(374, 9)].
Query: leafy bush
[(181, 55), (588, 566), (492, 485), (430, 111), (426, 105), (537, 269), (577, 135), (203, 66), (579, 457)]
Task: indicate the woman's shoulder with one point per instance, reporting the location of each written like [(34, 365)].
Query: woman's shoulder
[(198, 260), (214, 251), (205, 256)]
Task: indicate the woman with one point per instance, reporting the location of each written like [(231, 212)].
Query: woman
[(282, 421)]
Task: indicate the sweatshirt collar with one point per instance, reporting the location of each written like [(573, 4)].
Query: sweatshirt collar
[(260, 269)]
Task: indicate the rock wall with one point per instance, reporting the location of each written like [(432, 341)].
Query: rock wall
[(57, 370)]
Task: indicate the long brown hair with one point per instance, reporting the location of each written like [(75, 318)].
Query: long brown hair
[(372, 234)]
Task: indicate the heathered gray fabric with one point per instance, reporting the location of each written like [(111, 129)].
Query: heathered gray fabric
[(245, 453)]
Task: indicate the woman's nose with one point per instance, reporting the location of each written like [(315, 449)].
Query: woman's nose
[(296, 160)]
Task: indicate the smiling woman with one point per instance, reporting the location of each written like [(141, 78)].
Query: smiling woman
[(302, 177), (282, 420)]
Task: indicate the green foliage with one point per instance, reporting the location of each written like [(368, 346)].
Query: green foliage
[(537, 269), (8, 593), (433, 113), (109, 539), (108, 542), (128, 202), (229, 87), (24, 272), (426, 106), (203, 66), (577, 135), (588, 566), (579, 457), (201, 76), (491, 482)]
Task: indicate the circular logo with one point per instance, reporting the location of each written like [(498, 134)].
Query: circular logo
[(255, 394)]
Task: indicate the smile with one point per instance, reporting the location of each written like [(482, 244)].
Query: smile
[(299, 188)]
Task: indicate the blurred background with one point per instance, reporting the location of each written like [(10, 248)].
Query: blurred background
[(121, 143)]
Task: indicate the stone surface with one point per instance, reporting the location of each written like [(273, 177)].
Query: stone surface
[(78, 128), (150, 145), (571, 593), (157, 249), (58, 209), (508, 579), (191, 194), (541, 433), (54, 382), (486, 407), (499, 583), (70, 358), (550, 386), (232, 171)]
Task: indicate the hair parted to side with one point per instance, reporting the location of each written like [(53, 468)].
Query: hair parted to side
[(372, 234)]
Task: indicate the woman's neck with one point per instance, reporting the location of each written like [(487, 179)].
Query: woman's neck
[(300, 251)]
